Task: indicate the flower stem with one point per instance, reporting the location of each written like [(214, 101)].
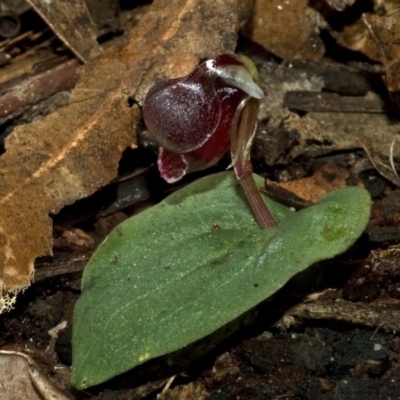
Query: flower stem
[(263, 215), (242, 138)]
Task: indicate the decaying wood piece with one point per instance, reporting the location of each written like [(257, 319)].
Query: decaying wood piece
[(74, 151), (328, 131), (302, 100), (366, 314), (37, 88), (26, 66), (72, 266), (337, 78), (72, 23)]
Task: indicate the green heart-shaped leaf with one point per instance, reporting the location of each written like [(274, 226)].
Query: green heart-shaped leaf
[(180, 270)]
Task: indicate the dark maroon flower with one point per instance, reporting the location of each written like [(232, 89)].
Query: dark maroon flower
[(197, 118)]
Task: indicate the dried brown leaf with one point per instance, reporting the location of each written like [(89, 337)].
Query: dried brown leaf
[(386, 33), (356, 37), (20, 378), (288, 29), (336, 131), (105, 14), (331, 176), (72, 23), (74, 151)]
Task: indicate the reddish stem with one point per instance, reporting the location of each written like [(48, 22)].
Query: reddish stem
[(263, 215), (242, 138)]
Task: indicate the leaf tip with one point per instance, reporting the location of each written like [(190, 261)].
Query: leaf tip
[(79, 384)]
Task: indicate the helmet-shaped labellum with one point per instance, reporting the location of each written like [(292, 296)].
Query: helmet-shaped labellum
[(183, 114)]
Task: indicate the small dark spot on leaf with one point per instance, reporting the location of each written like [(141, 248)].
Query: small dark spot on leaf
[(240, 244), (114, 260), (255, 284), (216, 227), (217, 261)]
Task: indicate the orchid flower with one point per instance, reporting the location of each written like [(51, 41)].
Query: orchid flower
[(197, 118)]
